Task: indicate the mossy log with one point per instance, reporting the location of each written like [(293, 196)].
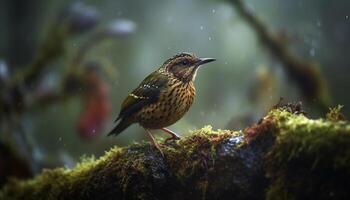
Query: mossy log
[(284, 156)]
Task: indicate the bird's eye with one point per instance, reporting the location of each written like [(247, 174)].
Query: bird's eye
[(185, 62)]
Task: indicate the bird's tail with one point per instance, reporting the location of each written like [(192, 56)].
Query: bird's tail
[(123, 124)]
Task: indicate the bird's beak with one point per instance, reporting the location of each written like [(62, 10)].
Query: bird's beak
[(203, 61)]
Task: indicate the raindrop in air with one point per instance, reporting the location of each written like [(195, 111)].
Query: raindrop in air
[(4, 72), (319, 24), (169, 19), (312, 52)]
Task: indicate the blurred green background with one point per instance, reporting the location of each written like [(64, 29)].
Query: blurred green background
[(244, 82)]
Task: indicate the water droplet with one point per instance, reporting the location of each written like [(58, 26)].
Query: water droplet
[(312, 52), (319, 24), (3, 70), (213, 11), (60, 139), (93, 130), (226, 63), (347, 17), (201, 27), (209, 38), (169, 19)]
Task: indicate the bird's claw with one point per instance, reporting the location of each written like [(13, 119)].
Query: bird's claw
[(172, 138)]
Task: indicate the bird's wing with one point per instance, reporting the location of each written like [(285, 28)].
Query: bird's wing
[(146, 93)]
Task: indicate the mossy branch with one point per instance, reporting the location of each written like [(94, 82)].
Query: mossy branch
[(285, 155)]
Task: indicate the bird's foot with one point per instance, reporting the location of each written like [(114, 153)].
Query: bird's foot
[(174, 136), (154, 142)]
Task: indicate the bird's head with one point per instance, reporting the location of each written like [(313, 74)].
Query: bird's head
[(184, 66)]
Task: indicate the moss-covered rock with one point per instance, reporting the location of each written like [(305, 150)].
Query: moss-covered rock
[(284, 156)]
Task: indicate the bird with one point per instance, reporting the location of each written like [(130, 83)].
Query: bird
[(162, 98)]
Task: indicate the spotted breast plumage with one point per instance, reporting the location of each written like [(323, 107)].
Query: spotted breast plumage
[(172, 105), (163, 97)]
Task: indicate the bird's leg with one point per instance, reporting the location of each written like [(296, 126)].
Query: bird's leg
[(174, 136), (154, 142)]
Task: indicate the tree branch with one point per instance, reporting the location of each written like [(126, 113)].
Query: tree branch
[(306, 74), (285, 154)]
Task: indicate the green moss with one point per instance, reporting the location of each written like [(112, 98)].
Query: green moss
[(284, 156), (310, 158), (335, 114), (121, 168), (52, 184), (203, 141)]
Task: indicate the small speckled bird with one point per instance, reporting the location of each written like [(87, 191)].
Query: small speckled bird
[(163, 97)]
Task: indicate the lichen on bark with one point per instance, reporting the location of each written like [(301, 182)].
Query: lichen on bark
[(284, 156)]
